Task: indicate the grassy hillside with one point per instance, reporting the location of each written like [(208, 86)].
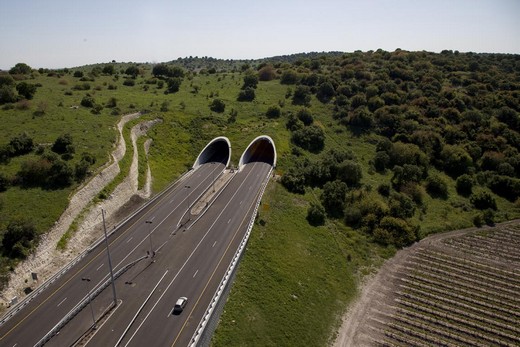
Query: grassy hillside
[(375, 149)]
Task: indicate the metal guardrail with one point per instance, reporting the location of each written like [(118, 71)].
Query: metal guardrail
[(82, 304), (19, 306), (232, 266)]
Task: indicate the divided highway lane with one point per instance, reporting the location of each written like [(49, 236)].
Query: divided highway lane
[(192, 265), (130, 242)]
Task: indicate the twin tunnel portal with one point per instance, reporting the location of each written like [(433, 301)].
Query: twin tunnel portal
[(261, 149)]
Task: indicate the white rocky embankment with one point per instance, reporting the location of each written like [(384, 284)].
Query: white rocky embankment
[(47, 260)]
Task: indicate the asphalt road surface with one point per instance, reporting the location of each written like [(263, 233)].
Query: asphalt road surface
[(186, 257)]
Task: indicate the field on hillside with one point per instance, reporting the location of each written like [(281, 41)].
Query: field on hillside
[(457, 289), (376, 150)]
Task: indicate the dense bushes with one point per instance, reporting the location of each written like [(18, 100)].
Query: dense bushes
[(436, 121)]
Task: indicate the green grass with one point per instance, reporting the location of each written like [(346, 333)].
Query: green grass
[(294, 280)]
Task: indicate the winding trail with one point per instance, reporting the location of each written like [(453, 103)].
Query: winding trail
[(46, 259)]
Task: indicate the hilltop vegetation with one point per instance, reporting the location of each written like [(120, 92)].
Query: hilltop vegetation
[(376, 150)]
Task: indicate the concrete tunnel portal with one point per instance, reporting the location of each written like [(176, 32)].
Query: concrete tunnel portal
[(217, 150), (261, 149)]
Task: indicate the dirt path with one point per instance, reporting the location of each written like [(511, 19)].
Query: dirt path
[(47, 260), (376, 292)]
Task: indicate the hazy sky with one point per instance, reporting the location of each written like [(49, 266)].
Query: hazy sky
[(68, 33)]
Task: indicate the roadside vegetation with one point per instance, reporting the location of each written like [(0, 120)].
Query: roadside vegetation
[(376, 150)]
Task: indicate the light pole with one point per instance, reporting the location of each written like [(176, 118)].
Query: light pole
[(109, 259), (87, 280), (188, 201), (152, 253)]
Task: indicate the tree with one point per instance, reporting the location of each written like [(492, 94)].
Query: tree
[(20, 69), (7, 94), (132, 70), (217, 105), (19, 238), (6, 80), (60, 175), (483, 200), (160, 70), (316, 214), (333, 198), (21, 144), (325, 92), (436, 186), (63, 144), (174, 84), (455, 160), (289, 77), (374, 103), (109, 69), (294, 123), (266, 73), (27, 90), (78, 74), (464, 184), (311, 138), (250, 81), (294, 180), (302, 95), (350, 172)]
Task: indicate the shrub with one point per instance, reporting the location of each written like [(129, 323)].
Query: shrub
[(266, 73), (273, 112), (349, 172), (21, 144), (26, 90), (250, 81), (19, 239), (248, 94), (7, 94), (302, 95), (129, 82), (88, 101), (5, 182), (294, 181), (483, 200), (63, 144), (305, 116), (78, 74), (289, 77), (174, 84), (311, 138), (436, 186), (333, 198), (394, 231), (464, 184), (316, 214), (217, 105)]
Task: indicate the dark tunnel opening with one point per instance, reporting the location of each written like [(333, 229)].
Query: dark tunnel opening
[(218, 150), (260, 150)]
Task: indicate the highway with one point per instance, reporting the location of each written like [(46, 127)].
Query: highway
[(171, 253)]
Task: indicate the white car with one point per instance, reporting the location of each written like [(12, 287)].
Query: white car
[(180, 304)]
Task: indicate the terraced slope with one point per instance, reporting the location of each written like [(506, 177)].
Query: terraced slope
[(456, 289)]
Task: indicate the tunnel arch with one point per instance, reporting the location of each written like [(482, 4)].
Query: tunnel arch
[(260, 149), (218, 149)]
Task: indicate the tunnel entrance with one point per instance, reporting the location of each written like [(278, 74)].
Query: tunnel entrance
[(261, 149), (217, 150)]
